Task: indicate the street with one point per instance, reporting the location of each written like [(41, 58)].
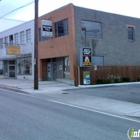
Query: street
[(127, 93), (25, 117)]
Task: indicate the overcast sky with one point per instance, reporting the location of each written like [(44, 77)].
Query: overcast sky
[(123, 7)]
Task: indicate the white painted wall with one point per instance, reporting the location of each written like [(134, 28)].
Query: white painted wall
[(25, 49)]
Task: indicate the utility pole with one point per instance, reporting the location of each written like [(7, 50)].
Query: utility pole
[(36, 46)]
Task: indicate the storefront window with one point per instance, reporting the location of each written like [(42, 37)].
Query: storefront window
[(1, 67), (24, 66), (5, 67), (66, 67)]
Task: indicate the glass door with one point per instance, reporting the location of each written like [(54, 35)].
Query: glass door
[(54, 71), (11, 71)]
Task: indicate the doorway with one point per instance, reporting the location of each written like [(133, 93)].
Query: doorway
[(51, 71), (12, 71), (54, 71)]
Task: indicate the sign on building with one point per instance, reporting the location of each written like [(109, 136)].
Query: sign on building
[(86, 77), (46, 28), (85, 57), (13, 50)]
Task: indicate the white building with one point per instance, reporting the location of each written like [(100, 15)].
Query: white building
[(18, 66)]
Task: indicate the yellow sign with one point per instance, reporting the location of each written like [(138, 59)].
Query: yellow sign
[(87, 63), (13, 50)]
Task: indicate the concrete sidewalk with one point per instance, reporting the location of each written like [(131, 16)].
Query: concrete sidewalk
[(61, 92)]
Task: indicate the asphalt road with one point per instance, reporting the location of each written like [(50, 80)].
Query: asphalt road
[(23, 117), (128, 93)]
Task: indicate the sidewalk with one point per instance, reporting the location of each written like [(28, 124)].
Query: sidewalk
[(62, 92)]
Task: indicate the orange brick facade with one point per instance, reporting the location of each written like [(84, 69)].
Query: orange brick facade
[(58, 46)]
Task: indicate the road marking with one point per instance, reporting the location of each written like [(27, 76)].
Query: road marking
[(76, 106), (92, 110)]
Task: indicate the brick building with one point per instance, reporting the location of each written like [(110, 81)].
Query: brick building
[(114, 40)]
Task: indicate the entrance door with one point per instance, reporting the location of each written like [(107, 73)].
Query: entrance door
[(54, 71), (11, 71), (49, 71)]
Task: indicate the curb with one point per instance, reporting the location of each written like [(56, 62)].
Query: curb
[(15, 89), (107, 85)]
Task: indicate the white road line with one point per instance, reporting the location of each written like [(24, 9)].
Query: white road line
[(76, 106)]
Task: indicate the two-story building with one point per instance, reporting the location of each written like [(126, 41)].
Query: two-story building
[(114, 40), (18, 66)]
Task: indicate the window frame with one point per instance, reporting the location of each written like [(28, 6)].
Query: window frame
[(28, 36), (24, 66), (65, 28), (6, 41), (132, 34), (1, 43), (22, 37), (89, 36), (16, 39)]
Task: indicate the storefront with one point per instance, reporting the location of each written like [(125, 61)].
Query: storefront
[(18, 67), (56, 68)]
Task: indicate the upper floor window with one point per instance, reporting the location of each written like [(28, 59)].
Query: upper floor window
[(11, 39), (61, 28), (1, 42), (28, 35), (16, 39), (131, 33), (22, 38), (6, 41), (91, 29)]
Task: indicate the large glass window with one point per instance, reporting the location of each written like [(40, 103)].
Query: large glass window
[(16, 39), (24, 66), (28, 35), (1, 67), (131, 35), (66, 67), (91, 29), (22, 38), (6, 41), (1, 42), (61, 28), (11, 39)]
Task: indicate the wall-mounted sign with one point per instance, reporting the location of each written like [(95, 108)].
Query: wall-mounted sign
[(87, 57), (13, 50), (86, 77), (46, 28), (95, 67)]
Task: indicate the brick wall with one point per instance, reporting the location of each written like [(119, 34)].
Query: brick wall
[(114, 44), (60, 46)]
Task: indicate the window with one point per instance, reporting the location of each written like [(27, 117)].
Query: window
[(22, 38), (66, 67), (24, 66), (1, 67), (16, 39), (131, 35), (6, 41), (92, 29), (28, 35), (61, 28), (11, 39), (1, 42)]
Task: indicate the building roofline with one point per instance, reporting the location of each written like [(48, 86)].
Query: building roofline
[(56, 9), (26, 22), (106, 12)]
